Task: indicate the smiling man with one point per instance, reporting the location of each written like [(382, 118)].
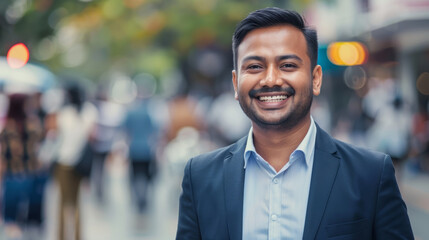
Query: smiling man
[(288, 179)]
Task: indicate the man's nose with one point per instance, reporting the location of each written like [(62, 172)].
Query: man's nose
[(272, 78)]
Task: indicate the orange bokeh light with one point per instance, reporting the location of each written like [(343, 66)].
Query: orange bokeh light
[(347, 53), (18, 55)]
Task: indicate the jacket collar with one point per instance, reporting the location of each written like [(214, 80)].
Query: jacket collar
[(325, 168), (233, 169)]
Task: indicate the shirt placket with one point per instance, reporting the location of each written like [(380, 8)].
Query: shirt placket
[(275, 208)]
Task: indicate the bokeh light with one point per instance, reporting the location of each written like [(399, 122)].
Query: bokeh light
[(123, 90), (347, 53), (355, 77), (18, 55), (422, 83), (146, 85)]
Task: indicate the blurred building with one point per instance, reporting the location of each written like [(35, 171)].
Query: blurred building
[(396, 34)]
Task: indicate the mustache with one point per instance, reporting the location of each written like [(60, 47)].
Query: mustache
[(287, 90)]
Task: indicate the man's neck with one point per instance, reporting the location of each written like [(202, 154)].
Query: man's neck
[(276, 146)]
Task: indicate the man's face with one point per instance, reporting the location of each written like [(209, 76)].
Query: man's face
[(274, 82)]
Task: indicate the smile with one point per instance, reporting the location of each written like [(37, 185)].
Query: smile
[(276, 98)]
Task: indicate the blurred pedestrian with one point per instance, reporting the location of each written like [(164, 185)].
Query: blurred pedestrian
[(75, 122), (183, 113), (288, 179), (22, 197), (391, 132), (142, 135), (106, 132)]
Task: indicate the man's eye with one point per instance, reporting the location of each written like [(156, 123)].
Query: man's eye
[(254, 67), (288, 65)]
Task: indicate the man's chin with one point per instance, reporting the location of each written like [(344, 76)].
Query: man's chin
[(272, 123), (283, 123)]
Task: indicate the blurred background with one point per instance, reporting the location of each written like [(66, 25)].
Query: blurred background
[(131, 89)]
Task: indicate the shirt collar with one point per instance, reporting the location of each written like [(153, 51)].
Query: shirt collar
[(306, 146)]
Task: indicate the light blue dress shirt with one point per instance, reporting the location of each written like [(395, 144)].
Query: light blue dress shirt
[(275, 203)]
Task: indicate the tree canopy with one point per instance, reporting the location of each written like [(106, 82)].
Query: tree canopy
[(96, 37)]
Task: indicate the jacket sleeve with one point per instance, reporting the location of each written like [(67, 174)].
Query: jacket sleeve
[(391, 218), (188, 227)]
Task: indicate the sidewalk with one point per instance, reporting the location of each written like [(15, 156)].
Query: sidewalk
[(117, 218), (415, 191)]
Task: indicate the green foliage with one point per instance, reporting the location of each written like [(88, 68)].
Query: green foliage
[(131, 36)]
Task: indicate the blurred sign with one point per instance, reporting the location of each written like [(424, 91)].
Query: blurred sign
[(386, 12)]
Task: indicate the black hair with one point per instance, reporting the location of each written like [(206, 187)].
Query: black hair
[(75, 92), (16, 110), (75, 96), (273, 16)]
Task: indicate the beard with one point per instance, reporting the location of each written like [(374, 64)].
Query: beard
[(288, 120)]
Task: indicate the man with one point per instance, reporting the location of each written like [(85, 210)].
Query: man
[(288, 179)]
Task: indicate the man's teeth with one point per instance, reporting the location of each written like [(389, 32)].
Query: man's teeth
[(272, 98)]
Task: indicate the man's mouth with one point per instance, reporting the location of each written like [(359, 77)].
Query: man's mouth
[(272, 95), (274, 98)]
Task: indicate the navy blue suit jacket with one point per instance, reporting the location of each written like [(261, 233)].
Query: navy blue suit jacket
[(353, 195)]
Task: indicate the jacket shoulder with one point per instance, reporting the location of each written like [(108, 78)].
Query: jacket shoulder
[(347, 150), (348, 153), (217, 156), (365, 164)]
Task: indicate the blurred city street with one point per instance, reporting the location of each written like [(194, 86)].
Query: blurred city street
[(117, 217), (132, 89)]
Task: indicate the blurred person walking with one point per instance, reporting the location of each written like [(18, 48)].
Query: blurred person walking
[(142, 135), (106, 133), (391, 132), (75, 122), (22, 191), (182, 113), (288, 179)]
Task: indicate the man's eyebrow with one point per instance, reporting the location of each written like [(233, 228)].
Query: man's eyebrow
[(279, 58), (289, 56), (248, 58)]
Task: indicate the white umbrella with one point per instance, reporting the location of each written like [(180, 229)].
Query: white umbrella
[(27, 79)]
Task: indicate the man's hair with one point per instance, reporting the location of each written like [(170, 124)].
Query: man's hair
[(273, 16)]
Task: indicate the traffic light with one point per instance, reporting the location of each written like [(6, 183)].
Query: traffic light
[(347, 53)]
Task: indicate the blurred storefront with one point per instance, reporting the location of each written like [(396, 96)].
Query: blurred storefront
[(396, 34), (400, 37)]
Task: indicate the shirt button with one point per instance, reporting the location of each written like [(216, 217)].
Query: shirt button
[(275, 181), (274, 217)]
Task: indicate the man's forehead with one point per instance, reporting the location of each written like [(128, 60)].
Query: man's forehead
[(279, 37)]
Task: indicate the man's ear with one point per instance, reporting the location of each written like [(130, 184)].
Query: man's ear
[(317, 80), (234, 82)]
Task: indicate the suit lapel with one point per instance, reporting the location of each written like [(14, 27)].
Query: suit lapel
[(325, 168), (233, 169)]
